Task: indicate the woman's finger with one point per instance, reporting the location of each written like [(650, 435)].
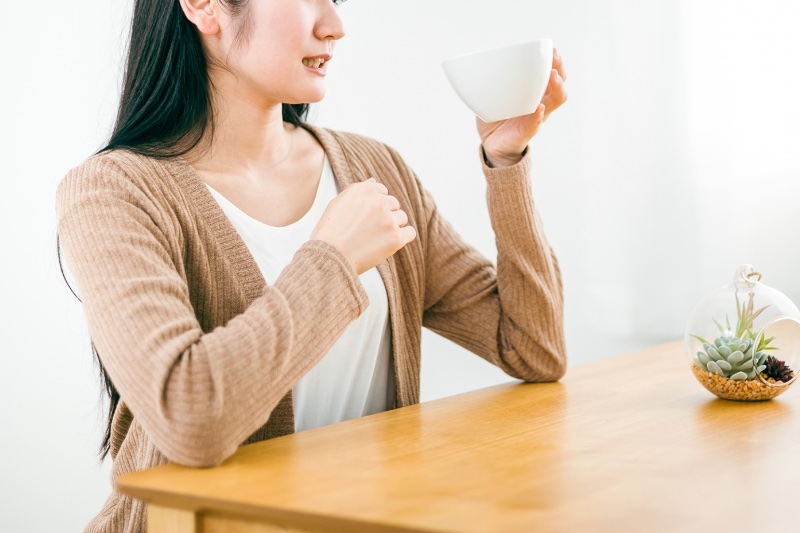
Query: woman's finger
[(392, 203), (381, 188), (400, 218), (556, 93), (407, 234), (558, 64), (535, 119)]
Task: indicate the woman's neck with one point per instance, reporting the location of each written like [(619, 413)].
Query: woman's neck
[(247, 142), (247, 134)]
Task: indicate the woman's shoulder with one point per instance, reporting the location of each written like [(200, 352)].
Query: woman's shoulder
[(118, 172), (118, 163)]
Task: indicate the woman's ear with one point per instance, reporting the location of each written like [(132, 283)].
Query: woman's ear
[(203, 14)]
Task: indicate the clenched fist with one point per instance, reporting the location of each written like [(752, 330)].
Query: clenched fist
[(365, 223)]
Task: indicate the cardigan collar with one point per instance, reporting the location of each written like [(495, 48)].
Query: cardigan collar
[(220, 226), (346, 172)]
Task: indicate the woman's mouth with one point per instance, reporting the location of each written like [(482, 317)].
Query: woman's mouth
[(314, 63)]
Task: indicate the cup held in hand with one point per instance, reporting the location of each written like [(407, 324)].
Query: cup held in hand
[(504, 82)]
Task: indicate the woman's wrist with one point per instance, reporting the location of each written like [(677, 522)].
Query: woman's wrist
[(502, 160)]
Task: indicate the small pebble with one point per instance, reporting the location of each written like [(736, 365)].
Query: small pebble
[(752, 390)]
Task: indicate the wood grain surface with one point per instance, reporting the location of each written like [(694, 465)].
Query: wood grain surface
[(631, 443)]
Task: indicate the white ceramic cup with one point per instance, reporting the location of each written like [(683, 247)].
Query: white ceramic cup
[(504, 82)]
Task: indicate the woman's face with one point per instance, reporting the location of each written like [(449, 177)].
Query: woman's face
[(278, 50)]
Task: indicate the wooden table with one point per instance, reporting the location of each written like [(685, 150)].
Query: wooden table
[(632, 443)]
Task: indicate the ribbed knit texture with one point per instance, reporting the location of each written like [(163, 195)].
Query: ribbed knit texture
[(204, 354)]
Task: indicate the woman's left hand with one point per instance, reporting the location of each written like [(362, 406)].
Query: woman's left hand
[(505, 141)]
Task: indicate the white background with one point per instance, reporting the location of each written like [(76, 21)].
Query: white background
[(675, 159)]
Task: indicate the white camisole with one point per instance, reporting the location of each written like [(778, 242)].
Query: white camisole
[(354, 378)]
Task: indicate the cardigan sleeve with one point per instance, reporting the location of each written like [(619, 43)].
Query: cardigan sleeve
[(511, 315), (198, 395)]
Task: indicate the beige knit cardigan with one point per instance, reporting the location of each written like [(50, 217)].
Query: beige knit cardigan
[(204, 354)]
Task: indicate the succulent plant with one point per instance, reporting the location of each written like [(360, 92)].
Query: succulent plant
[(732, 355), (727, 356), (777, 370)]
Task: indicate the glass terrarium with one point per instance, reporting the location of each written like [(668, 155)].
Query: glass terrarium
[(743, 340)]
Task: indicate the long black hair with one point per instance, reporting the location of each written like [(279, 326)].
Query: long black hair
[(165, 108)]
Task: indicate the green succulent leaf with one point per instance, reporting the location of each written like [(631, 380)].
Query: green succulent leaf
[(714, 369), (735, 354), (724, 365), (736, 357)]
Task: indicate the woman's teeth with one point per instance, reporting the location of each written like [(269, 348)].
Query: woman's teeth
[(315, 63)]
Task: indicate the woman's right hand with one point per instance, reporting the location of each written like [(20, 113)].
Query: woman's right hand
[(365, 223)]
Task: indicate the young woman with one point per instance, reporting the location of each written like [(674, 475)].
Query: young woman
[(246, 275)]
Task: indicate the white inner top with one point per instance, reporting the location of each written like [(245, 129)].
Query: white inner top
[(354, 378)]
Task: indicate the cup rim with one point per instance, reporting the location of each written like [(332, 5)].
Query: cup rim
[(497, 48)]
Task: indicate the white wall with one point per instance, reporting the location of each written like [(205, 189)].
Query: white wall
[(674, 160)]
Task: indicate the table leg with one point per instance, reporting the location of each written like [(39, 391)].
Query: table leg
[(167, 520)]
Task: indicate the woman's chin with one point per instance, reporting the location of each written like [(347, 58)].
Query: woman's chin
[(312, 97)]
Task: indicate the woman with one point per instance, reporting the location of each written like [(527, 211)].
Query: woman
[(246, 275)]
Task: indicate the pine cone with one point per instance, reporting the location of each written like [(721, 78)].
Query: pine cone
[(777, 370)]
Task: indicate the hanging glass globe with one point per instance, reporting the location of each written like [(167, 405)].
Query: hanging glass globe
[(743, 340)]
